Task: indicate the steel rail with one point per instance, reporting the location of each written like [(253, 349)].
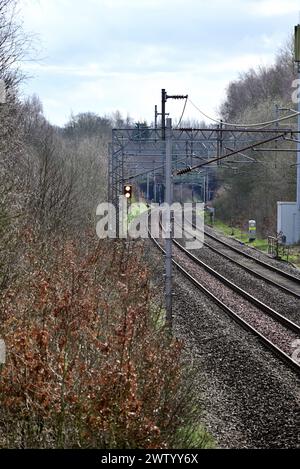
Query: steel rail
[(249, 270), (258, 261), (259, 304), (275, 350)]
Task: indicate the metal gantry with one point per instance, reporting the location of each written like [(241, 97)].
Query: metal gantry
[(138, 152)]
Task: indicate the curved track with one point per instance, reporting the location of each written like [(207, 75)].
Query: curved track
[(265, 265), (273, 330), (276, 277)]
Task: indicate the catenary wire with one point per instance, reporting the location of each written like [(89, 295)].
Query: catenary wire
[(183, 112), (260, 124)]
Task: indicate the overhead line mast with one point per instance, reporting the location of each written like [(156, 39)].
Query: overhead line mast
[(164, 98), (167, 125)]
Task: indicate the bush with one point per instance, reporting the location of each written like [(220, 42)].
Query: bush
[(87, 364)]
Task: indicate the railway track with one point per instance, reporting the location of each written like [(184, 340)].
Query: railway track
[(276, 277), (281, 274), (274, 330)]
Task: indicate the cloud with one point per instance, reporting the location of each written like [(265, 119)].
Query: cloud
[(102, 55), (269, 8)]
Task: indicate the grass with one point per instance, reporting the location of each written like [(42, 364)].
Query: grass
[(260, 243), (159, 317), (135, 210), (240, 235), (196, 435), (294, 256)]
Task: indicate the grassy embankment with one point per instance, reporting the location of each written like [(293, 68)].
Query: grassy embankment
[(259, 243)]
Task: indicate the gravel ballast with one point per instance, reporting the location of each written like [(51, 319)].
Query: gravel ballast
[(285, 304), (249, 398), (255, 253), (269, 327)]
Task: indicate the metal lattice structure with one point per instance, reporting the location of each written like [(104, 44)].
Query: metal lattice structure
[(135, 152)]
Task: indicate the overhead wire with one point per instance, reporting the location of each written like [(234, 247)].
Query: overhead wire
[(259, 124), (183, 112), (192, 168)]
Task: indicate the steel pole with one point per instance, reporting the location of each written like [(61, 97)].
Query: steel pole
[(163, 112), (168, 245), (207, 187), (298, 165), (298, 150), (109, 175), (154, 184), (148, 187)]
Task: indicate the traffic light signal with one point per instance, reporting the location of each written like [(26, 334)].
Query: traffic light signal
[(128, 191)]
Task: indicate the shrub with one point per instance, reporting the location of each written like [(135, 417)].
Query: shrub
[(87, 364)]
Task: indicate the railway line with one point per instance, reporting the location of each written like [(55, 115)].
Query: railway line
[(275, 331), (270, 274), (280, 278)]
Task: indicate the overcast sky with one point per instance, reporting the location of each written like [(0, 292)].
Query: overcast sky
[(104, 55)]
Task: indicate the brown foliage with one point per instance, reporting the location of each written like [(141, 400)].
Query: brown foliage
[(87, 365)]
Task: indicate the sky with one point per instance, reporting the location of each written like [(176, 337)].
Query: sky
[(106, 55)]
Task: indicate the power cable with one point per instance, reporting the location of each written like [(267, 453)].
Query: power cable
[(260, 124), (192, 168), (183, 112)]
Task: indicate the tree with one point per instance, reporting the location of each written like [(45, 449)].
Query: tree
[(254, 189)]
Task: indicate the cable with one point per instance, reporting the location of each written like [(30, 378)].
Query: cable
[(260, 124), (235, 152), (184, 108)]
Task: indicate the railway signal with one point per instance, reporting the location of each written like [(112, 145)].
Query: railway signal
[(128, 191)]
